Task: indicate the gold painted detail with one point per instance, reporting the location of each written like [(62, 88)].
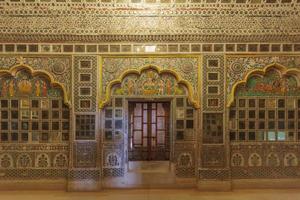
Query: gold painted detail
[(283, 71), (149, 91), (25, 86)]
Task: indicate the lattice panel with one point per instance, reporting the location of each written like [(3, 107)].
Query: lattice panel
[(113, 172), (85, 154), (213, 156), (113, 160), (84, 174), (29, 174), (188, 172), (214, 174), (265, 172), (85, 101), (213, 83), (184, 159)]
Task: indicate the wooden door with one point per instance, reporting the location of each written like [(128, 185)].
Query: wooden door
[(149, 130)]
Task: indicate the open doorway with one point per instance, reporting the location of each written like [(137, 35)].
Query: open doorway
[(149, 131)]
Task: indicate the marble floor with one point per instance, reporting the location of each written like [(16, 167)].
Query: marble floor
[(186, 194)]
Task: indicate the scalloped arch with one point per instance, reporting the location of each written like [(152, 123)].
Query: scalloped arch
[(16, 68), (283, 71), (138, 72)]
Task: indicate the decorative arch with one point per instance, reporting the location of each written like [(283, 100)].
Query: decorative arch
[(42, 161), (273, 160), (138, 73), (113, 160), (6, 161), (13, 71), (237, 160), (60, 160), (24, 161), (254, 160), (184, 160), (290, 160), (283, 72)]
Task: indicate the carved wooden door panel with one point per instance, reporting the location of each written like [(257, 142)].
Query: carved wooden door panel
[(149, 131)]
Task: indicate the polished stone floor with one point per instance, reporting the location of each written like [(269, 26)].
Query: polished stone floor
[(153, 195)]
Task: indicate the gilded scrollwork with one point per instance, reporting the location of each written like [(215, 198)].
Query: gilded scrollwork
[(240, 68), (184, 69), (57, 67), (22, 79)]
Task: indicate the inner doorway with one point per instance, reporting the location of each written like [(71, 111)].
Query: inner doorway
[(149, 131)]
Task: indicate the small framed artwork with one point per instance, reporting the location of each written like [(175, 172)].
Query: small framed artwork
[(85, 104), (25, 103), (25, 114), (85, 64), (213, 76), (290, 103), (34, 114), (85, 77), (212, 102), (213, 63), (85, 91), (271, 103), (44, 104), (180, 113), (213, 89)]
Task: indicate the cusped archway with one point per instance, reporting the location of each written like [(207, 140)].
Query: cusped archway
[(272, 80), (22, 80), (150, 81)]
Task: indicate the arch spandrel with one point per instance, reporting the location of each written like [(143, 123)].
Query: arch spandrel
[(14, 82), (149, 81), (272, 80)]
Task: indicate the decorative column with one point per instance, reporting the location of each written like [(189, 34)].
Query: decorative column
[(213, 170), (84, 170)]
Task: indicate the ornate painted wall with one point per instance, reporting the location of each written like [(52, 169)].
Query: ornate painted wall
[(69, 70)]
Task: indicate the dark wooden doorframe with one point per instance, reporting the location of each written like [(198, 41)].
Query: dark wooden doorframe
[(148, 131)]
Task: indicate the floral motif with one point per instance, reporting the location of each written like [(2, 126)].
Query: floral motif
[(187, 67), (58, 66), (239, 66)]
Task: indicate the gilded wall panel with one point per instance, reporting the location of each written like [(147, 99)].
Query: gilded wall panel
[(70, 22), (187, 67), (58, 66), (264, 161), (85, 83), (239, 66), (213, 83)]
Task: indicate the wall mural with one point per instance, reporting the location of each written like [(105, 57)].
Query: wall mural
[(149, 83), (23, 84), (57, 67), (21, 80), (184, 69), (273, 84), (238, 67)]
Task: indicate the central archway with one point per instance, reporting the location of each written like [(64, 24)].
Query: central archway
[(146, 113)]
